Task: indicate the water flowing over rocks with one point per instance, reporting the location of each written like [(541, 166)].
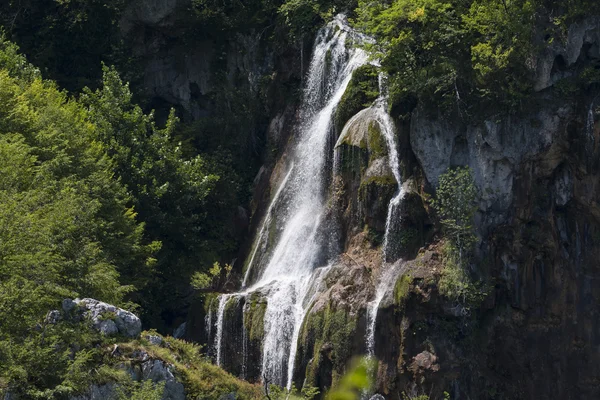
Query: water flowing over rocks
[(300, 316)]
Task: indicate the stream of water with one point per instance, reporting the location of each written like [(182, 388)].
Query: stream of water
[(284, 260)]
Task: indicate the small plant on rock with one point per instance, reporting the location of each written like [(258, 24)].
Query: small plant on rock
[(455, 203)]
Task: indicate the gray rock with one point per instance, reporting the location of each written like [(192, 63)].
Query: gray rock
[(563, 187), (68, 305), (109, 319), (98, 392), (53, 317), (159, 371), (154, 339), (107, 327), (566, 53), (494, 150)]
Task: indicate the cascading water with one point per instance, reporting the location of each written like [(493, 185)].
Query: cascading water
[(219, 336), (388, 129), (385, 283), (286, 273)]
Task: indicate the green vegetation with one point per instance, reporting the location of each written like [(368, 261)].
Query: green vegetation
[(334, 328), (362, 90), (377, 144), (455, 203), (465, 55), (95, 201), (68, 39), (255, 316), (402, 289)]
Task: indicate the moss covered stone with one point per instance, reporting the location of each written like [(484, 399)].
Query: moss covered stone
[(254, 316), (384, 186), (376, 142), (362, 90), (402, 288), (326, 341)]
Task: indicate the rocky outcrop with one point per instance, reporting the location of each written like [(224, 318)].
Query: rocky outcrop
[(106, 318), (582, 44), (142, 368)]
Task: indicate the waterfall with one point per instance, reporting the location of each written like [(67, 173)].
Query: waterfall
[(262, 239), (219, 336), (286, 271), (590, 122), (388, 130), (385, 282)]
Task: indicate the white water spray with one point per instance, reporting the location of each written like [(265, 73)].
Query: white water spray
[(385, 284), (223, 299), (388, 130), (286, 265)]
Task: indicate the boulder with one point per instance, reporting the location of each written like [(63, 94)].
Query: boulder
[(109, 319)]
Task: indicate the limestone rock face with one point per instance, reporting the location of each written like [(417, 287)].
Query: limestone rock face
[(98, 392), (583, 42), (109, 319), (495, 151)]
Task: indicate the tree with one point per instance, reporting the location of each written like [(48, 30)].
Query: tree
[(455, 202), (167, 189)]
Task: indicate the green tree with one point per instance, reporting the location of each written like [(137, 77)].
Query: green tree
[(168, 192), (456, 204)]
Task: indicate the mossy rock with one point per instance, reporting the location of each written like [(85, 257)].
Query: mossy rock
[(402, 289), (380, 186), (362, 90), (254, 316), (376, 142), (326, 343)]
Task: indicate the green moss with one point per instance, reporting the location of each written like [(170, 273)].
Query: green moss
[(362, 90), (209, 302), (200, 378), (383, 185), (254, 317), (402, 288), (231, 306), (336, 327), (377, 145)]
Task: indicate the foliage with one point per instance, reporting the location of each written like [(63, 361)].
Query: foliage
[(66, 226), (402, 288), (167, 189), (464, 54), (455, 202), (203, 281), (146, 390), (362, 90), (457, 284), (67, 39), (356, 381)]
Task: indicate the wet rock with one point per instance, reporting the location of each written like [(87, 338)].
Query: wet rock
[(424, 362)]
